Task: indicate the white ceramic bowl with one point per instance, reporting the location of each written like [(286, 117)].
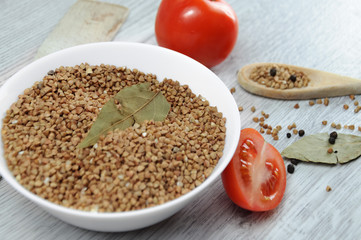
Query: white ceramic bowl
[(148, 59)]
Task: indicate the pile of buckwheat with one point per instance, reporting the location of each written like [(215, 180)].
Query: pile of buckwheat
[(279, 77), (143, 166)]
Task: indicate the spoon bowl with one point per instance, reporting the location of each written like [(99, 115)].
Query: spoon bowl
[(322, 84)]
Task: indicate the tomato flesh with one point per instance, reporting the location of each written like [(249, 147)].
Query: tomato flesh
[(255, 179)]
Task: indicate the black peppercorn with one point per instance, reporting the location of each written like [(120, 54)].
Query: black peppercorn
[(295, 161), (332, 140), (290, 168), (293, 78), (333, 135), (288, 135), (51, 72), (301, 133), (273, 72)]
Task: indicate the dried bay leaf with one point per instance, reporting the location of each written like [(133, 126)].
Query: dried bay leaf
[(131, 104), (313, 148)]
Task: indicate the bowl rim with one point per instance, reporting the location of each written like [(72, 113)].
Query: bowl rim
[(7, 175)]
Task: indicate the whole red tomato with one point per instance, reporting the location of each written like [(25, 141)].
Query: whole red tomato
[(205, 30)]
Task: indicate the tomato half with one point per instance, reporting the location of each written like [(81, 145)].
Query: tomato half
[(205, 30), (255, 179)]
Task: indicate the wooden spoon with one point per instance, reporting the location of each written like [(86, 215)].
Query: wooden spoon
[(322, 84)]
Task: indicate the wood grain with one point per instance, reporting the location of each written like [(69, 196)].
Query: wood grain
[(317, 34)]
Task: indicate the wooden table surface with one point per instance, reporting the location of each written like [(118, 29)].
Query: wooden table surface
[(317, 34)]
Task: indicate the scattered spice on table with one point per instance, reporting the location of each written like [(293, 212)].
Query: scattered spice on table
[(290, 168), (295, 161), (301, 133), (326, 101), (333, 134), (332, 140), (357, 109), (328, 189), (291, 126)]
